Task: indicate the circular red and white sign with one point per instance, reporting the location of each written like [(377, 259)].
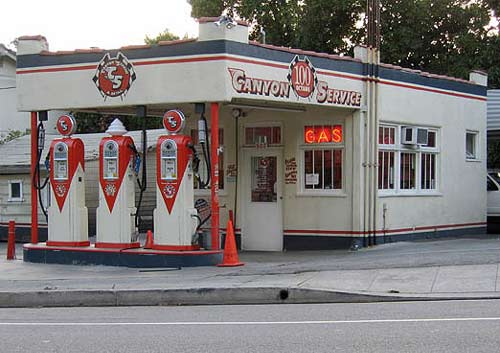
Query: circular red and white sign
[(173, 121), (66, 125), (302, 79)]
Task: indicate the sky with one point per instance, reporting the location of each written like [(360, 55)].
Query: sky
[(81, 24)]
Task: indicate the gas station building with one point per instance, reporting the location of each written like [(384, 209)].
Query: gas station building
[(309, 150)]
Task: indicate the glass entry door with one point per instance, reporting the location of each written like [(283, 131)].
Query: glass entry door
[(262, 218)]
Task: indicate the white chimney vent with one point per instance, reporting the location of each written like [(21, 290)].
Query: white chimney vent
[(223, 28), (31, 45)]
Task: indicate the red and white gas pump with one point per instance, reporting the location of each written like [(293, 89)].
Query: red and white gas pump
[(175, 218), (67, 214), (116, 212)]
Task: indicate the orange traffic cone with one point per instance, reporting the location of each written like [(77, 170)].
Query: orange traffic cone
[(230, 253), (149, 240)]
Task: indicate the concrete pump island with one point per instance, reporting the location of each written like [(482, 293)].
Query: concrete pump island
[(301, 150)]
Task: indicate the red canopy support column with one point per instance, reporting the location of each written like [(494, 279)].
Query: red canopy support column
[(214, 114), (34, 192)]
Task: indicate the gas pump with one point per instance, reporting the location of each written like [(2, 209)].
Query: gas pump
[(117, 171), (68, 217), (175, 218)]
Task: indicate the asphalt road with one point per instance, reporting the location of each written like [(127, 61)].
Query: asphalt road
[(447, 326)]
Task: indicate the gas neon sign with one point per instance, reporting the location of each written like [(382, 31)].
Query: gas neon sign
[(323, 134)]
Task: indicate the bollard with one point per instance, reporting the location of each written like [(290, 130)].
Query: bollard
[(11, 243)]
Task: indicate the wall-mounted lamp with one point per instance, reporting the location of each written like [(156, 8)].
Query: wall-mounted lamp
[(225, 21), (236, 113)]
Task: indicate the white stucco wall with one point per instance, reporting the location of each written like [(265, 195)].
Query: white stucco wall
[(461, 194)]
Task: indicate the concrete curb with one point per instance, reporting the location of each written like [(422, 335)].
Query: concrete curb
[(206, 296)]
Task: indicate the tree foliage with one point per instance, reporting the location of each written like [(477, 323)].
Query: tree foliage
[(92, 122), (449, 37), (12, 135), (166, 35)]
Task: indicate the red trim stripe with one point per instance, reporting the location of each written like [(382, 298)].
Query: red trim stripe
[(105, 245), (175, 247), (399, 230), (250, 61), (177, 61), (22, 224), (68, 243), (137, 251), (350, 77), (432, 90), (58, 69)]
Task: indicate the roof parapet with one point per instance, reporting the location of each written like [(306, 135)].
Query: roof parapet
[(222, 28), (479, 78), (32, 45)]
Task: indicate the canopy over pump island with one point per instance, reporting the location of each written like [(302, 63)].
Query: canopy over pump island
[(307, 150)]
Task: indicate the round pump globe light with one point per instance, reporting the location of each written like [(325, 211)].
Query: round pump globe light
[(116, 128), (173, 121), (66, 125)]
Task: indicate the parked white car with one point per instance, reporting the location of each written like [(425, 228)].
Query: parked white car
[(493, 182)]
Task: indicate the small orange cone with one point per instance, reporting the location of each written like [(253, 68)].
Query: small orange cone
[(149, 240), (230, 253)]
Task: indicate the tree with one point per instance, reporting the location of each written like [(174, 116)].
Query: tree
[(321, 25), (331, 26), (449, 37), (445, 36), (166, 35), (12, 135), (93, 122)]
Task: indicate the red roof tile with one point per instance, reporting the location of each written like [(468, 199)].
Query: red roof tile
[(304, 52), (35, 37)]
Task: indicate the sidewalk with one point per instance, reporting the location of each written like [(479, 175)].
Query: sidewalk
[(439, 269)]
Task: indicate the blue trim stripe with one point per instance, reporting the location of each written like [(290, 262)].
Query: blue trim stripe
[(180, 49), (249, 51), (416, 79), (257, 52)]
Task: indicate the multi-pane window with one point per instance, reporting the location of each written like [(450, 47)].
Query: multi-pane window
[(386, 158), (323, 169), (263, 135), (203, 172), (322, 157), (403, 167)]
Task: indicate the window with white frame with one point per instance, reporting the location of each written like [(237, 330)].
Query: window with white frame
[(322, 157), (406, 168), (471, 141), (16, 190), (203, 172)]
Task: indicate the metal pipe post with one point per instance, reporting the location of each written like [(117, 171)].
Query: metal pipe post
[(34, 193), (214, 114), (11, 243)]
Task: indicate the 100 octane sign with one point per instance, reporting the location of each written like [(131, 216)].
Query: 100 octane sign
[(302, 80)]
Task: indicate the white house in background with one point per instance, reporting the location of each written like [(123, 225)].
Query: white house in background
[(493, 113), (10, 118)]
